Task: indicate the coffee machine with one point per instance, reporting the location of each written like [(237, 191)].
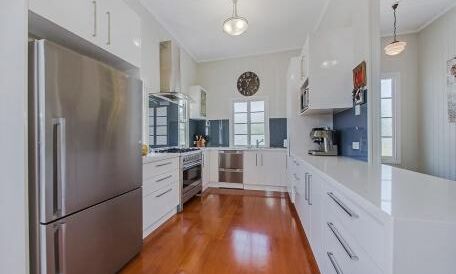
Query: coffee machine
[(325, 138)]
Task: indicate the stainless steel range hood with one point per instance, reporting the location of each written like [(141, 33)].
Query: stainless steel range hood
[(170, 74)]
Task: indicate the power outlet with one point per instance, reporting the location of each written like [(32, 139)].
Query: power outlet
[(355, 145)]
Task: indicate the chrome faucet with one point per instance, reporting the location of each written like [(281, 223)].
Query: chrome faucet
[(258, 142)]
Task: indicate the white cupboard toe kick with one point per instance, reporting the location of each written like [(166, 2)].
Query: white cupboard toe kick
[(160, 193), (358, 223)]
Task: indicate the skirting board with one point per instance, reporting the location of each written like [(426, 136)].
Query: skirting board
[(266, 188), (157, 224), (226, 185)]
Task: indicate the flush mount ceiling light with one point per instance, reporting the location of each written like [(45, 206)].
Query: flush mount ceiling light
[(235, 25), (396, 47)]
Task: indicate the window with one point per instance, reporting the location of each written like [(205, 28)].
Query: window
[(182, 124), (390, 135), (249, 123)]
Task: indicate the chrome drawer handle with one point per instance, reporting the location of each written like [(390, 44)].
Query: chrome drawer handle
[(334, 263), (343, 206), (162, 179), (159, 195), (165, 164), (342, 241)]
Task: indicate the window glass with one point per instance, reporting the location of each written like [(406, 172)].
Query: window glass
[(256, 106), (240, 118), (240, 140), (389, 137), (240, 107), (249, 123)]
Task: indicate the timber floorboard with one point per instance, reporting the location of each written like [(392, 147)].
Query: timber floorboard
[(228, 231)]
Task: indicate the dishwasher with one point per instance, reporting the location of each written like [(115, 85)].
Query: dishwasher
[(231, 166)]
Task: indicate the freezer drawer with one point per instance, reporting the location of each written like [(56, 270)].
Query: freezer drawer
[(98, 240)]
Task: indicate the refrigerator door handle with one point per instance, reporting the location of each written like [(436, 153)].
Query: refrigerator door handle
[(59, 163), (59, 248)]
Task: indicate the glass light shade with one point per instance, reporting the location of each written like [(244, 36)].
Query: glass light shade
[(235, 25), (395, 48)]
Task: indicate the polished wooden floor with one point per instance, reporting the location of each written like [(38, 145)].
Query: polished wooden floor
[(228, 231)]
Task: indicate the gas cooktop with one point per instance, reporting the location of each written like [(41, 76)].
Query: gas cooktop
[(177, 150)]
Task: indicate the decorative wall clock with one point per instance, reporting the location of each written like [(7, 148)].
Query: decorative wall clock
[(248, 83)]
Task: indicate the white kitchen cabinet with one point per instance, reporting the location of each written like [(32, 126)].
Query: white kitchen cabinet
[(326, 64), (198, 107), (120, 30), (160, 192), (253, 174), (213, 166), (315, 184), (109, 24), (265, 168), (79, 17), (206, 169), (273, 164)]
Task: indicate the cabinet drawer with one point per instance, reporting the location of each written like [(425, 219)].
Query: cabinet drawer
[(152, 184), (369, 232), (342, 252), (159, 203), (151, 170)]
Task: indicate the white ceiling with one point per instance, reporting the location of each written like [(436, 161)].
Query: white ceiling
[(274, 25), (413, 15)]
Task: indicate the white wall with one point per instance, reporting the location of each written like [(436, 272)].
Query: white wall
[(437, 44), (406, 65), (220, 80), (13, 138)]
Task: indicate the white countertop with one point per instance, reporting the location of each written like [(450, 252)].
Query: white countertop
[(246, 148), (396, 192), (154, 157)]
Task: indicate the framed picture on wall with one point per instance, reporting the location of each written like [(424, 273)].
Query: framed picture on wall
[(452, 72), (359, 84)]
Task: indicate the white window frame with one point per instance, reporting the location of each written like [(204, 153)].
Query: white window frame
[(266, 119), (396, 111)]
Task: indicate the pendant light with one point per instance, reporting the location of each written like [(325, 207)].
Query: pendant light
[(235, 25), (396, 47)]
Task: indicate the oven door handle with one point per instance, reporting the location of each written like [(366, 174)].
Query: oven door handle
[(191, 166)]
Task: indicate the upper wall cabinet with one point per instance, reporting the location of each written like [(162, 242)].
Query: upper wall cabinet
[(109, 24), (326, 65), (198, 107)]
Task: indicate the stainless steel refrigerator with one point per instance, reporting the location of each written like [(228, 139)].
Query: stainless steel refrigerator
[(85, 163)]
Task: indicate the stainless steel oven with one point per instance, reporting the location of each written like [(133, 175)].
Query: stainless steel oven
[(191, 176)]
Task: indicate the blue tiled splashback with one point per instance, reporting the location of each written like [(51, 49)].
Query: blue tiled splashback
[(352, 128), (218, 131), (277, 131)]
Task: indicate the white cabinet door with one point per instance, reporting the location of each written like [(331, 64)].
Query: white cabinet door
[(304, 205), (252, 168), (273, 165), (315, 196), (120, 30), (213, 166), (78, 17), (206, 169)]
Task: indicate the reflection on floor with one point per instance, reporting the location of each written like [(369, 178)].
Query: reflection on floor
[(232, 232)]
